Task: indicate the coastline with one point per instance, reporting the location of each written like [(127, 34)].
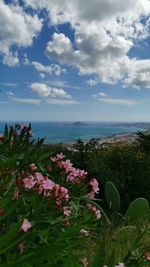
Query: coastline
[(121, 138)]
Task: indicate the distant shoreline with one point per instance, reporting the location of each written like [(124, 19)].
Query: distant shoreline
[(121, 138), (68, 133)]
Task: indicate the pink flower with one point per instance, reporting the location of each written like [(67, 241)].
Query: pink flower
[(29, 182), (75, 175), (60, 164), (60, 156), (147, 256), (23, 126), (84, 232), (57, 157), (47, 184), (67, 211), (39, 177), (16, 194), (91, 195), (63, 192), (95, 185), (21, 247), (1, 137), (60, 194), (84, 261), (67, 165), (15, 133), (94, 210), (26, 225), (98, 214), (31, 133), (32, 167)]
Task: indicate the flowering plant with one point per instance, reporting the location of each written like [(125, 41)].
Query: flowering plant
[(49, 215), (47, 210)]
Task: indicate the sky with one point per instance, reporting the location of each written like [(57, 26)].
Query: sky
[(70, 60)]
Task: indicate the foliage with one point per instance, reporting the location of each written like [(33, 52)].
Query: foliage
[(51, 213), (126, 165), (45, 209)]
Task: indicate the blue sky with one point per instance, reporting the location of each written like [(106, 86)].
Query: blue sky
[(63, 60)]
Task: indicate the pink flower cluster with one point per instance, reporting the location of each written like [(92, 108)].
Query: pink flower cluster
[(26, 129), (95, 188), (46, 186), (73, 175), (58, 194), (94, 210)]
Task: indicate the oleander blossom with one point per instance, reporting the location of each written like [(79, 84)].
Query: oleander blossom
[(29, 182), (84, 261), (95, 188), (39, 177), (84, 232), (47, 184), (1, 137), (57, 157), (31, 133), (21, 247), (95, 185), (94, 210), (57, 193), (16, 194), (147, 256), (67, 211), (32, 167), (26, 225), (73, 175), (60, 194)]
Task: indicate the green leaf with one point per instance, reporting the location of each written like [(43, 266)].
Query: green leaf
[(6, 132), (137, 210), (112, 196), (6, 239)]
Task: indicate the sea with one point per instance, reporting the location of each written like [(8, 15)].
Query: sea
[(68, 132)]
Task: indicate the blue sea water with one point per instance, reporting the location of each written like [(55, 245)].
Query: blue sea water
[(66, 132)]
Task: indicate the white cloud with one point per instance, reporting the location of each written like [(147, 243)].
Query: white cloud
[(102, 94), (52, 69), (17, 28), (61, 102), (27, 100), (11, 59), (118, 101), (42, 75), (105, 31), (44, 90), (92, 82), (97, 10), (62, 83), (9, 93), (10, 84), (60, 47), (26, 60), (58, 83), (138, 74)]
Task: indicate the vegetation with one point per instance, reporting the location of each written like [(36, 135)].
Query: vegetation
[(52, 212)]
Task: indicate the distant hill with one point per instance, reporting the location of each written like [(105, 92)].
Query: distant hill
[(144, 125), (79, 123)]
